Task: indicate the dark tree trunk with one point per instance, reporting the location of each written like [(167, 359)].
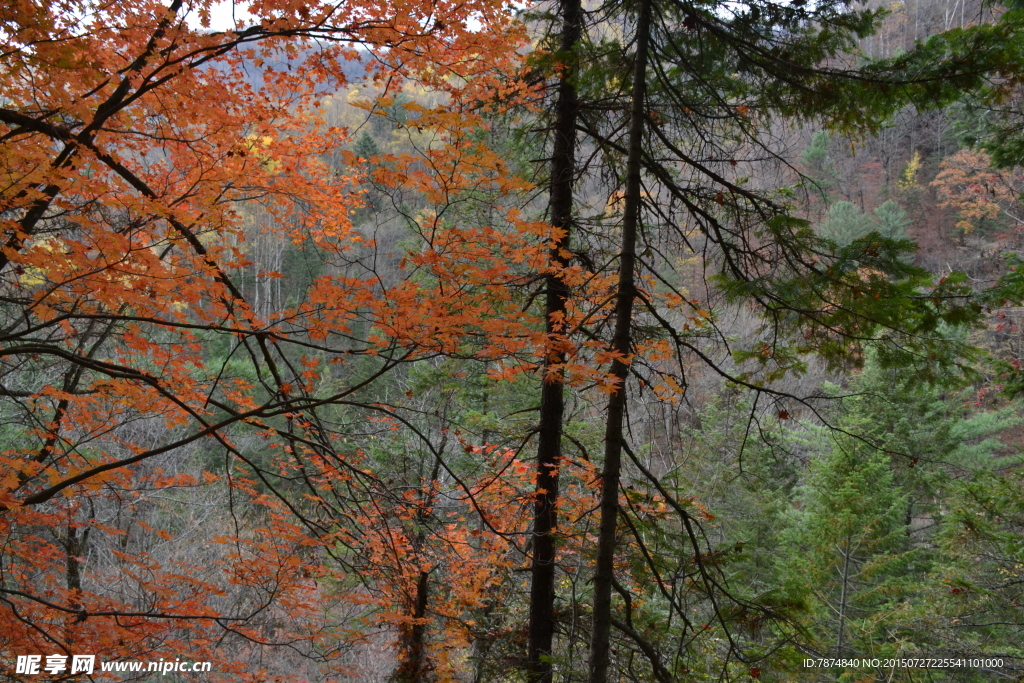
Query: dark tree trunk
[(621, 343), (414, 666), (411, 637), (549, 447)]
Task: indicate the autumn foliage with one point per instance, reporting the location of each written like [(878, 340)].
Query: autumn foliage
[(269, 383), (135, 141), (978, 194)]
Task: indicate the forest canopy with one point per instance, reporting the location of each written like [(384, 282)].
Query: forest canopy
[(436, 340)]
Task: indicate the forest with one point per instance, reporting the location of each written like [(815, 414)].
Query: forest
[(518, 342)]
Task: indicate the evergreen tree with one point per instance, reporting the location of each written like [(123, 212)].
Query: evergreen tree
[(890, 221), (820, 170), (856, 555), (866, 544), (366, 147), (844, 224), (976, 595)]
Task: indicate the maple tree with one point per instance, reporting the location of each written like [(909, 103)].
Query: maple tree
[(978, 193), (135, 139)]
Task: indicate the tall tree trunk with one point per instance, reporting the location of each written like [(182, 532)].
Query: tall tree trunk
[(549, 446), (842, 599), (413, 664), (621, 343)]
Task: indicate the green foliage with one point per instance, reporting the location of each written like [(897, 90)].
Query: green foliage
[(845, 224), (976, 594), (991, 120), (981, 60), (891, 221), (870, 535), (816, 154), (820, 170), (867, 291), (366, 147), (851, 549), (736, 493)]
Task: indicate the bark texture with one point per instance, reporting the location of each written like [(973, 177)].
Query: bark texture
[(549, 446), (604, 573)]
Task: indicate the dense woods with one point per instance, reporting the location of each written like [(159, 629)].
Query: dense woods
[(660, 340)]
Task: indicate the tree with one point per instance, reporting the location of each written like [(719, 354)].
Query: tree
[(130, 142), (845, 223), (891, 221), (141, 155), (366, 147), (556, 296), (821, 171), (621, 347), (712, 76), (863, 534), (975, 594), (856, 551), (978, 193)]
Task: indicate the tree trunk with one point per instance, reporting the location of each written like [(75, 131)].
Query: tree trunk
[(842, 599), (414, 666), (621, 343), (549, 445)]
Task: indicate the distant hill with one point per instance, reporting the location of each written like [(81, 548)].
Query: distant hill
[(354, 70)]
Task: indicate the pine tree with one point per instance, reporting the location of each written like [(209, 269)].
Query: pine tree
[(844, 224), (820, 170), (890, 221), (855, 554), (366, 147), (864, 543)]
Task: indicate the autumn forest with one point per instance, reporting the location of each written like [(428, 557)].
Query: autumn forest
[(474, 341)]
